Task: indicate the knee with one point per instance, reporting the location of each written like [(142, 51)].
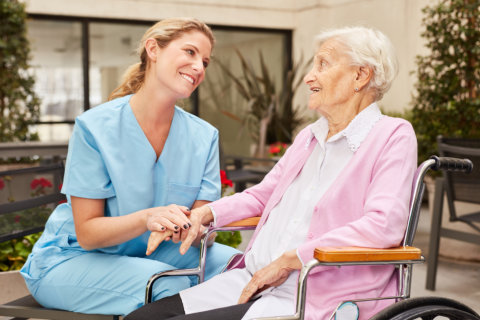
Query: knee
[(169, 286), (221, 254), (217, 259)]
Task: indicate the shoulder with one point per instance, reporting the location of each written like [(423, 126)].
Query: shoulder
[(103, 114), (392, 133), (392, 127), (302, 138), (193, 122), (396, 123)]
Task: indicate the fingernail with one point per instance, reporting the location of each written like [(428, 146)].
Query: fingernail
[(185, 226), (176, 227)]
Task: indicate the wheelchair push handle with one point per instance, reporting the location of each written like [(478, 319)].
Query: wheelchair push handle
[(452, 164)]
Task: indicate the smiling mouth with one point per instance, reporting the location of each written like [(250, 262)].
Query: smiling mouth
[(315, 89), (188, 78)]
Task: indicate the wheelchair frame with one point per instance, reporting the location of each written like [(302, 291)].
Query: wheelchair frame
[(403, 257)]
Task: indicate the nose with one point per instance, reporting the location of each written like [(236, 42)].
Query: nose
[(198, 65), (308, 77)]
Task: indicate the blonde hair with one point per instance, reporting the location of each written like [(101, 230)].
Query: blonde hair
[(163, 32)]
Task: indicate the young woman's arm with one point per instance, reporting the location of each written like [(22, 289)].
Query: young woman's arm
[(94, 230)]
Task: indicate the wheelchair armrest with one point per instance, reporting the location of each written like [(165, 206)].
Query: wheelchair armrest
[(248, 222), (355, 254)]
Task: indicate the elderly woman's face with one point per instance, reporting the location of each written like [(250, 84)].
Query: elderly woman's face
[(331, 79)]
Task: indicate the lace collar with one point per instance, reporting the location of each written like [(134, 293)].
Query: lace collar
[(356, 131)]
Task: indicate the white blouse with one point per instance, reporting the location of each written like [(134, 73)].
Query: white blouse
[(287, 224)]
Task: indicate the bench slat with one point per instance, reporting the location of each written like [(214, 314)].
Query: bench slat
[(26, 307)]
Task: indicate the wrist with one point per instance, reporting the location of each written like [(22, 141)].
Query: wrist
[(144, 216), (205, 214), (291, 260)]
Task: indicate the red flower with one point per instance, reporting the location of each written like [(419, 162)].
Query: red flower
[(274, 149), (277, 149), (2, 184), (224, 180), (17, 218), (42, 182)]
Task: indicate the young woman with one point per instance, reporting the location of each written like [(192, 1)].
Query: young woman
[(135, 164)]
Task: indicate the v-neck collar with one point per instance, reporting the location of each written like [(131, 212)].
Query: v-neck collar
[(144, 136)]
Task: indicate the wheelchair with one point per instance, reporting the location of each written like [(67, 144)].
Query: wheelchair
[(403, 257)]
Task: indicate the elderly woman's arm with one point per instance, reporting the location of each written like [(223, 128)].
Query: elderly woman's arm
[(248, 203)]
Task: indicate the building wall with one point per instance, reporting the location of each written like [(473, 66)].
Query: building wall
[(400, 20)]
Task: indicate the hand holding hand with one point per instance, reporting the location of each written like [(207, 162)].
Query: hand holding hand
[(272, 275), (156, 238), (170, 222), (198, 217), (172, 217)]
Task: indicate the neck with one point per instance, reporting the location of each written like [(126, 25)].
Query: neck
[(346, 113), (151, 107)]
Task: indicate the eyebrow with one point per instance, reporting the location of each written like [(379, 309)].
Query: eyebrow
[(196, 49), (320, 56)]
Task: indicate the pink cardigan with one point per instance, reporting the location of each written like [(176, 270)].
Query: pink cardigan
[(366, 206)]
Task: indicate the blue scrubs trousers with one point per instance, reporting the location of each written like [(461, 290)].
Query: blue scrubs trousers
[(102, 283)]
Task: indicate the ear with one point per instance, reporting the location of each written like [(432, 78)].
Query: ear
[(151, 48), (363, 76)]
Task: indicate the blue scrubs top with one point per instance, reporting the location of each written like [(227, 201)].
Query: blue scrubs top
[(109, 157)]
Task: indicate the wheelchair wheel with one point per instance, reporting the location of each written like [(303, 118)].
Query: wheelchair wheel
[(428, 308)]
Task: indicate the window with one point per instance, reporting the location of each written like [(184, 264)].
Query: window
[(79, 61), (57, 65), (220, 102)]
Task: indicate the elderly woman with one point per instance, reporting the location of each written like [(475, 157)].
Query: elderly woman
[(345, 181)]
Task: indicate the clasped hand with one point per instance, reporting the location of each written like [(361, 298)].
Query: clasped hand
[(174, 223)]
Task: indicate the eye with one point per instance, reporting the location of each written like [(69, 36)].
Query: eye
[(205, 64), (190, 52)]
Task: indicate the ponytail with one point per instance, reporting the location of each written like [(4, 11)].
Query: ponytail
[(132, 81)]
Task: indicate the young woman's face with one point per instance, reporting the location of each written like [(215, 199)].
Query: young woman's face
[(180, 66)]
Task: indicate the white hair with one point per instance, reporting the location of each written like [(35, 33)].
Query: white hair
[(370, 48)]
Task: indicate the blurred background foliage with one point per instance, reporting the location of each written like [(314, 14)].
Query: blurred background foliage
[(19, 105), (447, 98), (270, 115)]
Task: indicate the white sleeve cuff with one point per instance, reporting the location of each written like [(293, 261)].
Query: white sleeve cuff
[(214, 222), (299, 257)]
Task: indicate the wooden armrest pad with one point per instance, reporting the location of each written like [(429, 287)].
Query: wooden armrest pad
[(248, 222), (346, 254)]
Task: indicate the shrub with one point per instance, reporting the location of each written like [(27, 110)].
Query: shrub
[(447, 100)]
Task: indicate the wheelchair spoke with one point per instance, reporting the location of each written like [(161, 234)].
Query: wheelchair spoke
[(435, 312), (427, 308)]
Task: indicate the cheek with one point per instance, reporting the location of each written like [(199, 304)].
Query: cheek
[(202, 77)]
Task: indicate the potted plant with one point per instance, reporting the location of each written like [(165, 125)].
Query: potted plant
[(270, 114)]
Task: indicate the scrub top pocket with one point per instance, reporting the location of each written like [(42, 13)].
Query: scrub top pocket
[(182, 194)]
